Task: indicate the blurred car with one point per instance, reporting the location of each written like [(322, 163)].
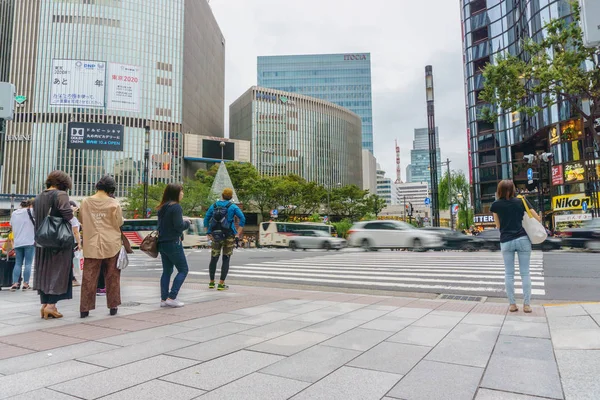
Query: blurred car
[(586, 237), (455, 240), (491, 241), (315, 240), (373, 235)]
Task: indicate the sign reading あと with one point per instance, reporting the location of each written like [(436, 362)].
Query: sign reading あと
[(77, 83), (89, 136)]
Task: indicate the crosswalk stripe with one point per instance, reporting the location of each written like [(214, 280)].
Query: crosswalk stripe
[(537, 269)]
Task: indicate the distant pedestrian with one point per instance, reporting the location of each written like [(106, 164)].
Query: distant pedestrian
[(23, 228), (221, 229), (78, 249), (508, 216), (53, 276), (102, 218), (171, 225)]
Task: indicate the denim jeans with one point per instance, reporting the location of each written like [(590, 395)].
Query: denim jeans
[(172, 255), (522, 246), (24, 255)]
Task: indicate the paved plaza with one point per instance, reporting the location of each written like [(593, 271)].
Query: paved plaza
[(266, 343)]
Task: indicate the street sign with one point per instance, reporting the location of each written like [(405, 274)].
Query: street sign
[(148, 213), (427, 201), (274, 213), (325, 219), (529, 174), (584, 206), (454, 209), (20, 99)]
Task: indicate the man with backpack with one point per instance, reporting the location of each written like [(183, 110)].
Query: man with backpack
[(221, 230)]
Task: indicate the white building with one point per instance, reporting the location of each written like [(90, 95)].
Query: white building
[(384, 187), (415, 193), (369, 170)]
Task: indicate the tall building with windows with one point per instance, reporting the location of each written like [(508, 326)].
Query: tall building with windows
[(295, 134), (491, 29), (418, 169), (124, 62), (343, 79)]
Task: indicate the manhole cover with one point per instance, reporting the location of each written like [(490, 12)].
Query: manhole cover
[(130, 304), (459, 297)]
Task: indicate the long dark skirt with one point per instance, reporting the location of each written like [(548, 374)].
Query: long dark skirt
[(55, 298)]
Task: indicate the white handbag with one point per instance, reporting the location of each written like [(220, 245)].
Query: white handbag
[(123, 260), (534, 228)]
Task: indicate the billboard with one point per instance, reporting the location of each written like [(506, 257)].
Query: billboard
[(90, 136), (78, 83), (212, 149), (557, 175), (123, 87)]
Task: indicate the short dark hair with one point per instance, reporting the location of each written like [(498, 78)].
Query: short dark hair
[(27, 203), (59, 180), (171, 194), (107, 184), (506, 189)]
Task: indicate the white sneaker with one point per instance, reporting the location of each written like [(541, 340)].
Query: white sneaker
[(174, 303), (163, 303)]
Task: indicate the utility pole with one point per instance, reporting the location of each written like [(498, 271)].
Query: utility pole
[(146, 168), (405, 209), (435, 208), (450, 193)]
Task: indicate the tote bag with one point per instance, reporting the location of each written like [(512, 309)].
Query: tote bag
[(534, 228), (55, 233)]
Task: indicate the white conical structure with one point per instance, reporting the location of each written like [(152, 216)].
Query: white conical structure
[(221, 182)]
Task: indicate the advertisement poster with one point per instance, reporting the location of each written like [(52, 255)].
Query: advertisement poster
[(124, 87), (557, 175), (574, 172), (90, 136), (78, 83)]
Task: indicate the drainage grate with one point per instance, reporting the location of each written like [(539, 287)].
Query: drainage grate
[(459, 297), (130, 304)]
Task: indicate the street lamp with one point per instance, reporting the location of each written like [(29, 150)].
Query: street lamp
[(435, 208), (13, 189), (146, 167)]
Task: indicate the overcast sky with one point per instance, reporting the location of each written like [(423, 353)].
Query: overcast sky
[(402, 36)]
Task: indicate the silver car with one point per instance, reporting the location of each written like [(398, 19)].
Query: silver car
[(373, 235), (315, 240)]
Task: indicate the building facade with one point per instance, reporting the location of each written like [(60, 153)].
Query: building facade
[(343, 79), (496, 150), (418, 169), (295, 134), (123, 62), (385, 187), (369, 171), (414, 193)]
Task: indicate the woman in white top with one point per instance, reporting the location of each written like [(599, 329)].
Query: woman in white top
[(23, 227)]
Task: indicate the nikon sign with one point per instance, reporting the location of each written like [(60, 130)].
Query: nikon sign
[(570, 202)]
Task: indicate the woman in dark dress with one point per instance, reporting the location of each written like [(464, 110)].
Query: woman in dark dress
[(53, 268)]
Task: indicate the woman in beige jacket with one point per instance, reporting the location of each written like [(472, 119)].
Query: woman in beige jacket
[(101, 222)]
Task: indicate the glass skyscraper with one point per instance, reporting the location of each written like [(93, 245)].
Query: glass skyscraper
[(418, 170), (343, 79)]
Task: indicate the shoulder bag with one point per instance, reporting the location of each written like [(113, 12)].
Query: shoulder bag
[(534, 228), (54, 233), (150, 245)]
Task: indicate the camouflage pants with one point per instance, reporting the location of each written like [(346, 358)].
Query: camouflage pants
[(225, 245)]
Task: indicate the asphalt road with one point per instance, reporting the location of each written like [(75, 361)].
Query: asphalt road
[(569, 276)]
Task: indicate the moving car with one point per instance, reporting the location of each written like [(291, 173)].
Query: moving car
[(315, 240), (491, 241), (586, 237), (455, 240), (373, 235)]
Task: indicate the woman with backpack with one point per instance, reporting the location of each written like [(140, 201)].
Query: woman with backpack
[(171, 226)]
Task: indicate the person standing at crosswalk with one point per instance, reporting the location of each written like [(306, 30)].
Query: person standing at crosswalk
[(222, 232), (508, 215)]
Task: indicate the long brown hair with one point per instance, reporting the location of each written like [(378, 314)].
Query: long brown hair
[(506, 190), (171, 194)]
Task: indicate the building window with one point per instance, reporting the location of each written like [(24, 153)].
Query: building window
[(164, 66), (163, 112), (164, 81)]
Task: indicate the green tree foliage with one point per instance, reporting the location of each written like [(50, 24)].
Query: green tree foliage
[(343, 227), (348, 201), (373, 204), (455, 189), (560, 70)]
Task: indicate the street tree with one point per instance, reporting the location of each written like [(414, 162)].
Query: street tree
[(374, 204), (348, 201), (455, 189), (560, 70)]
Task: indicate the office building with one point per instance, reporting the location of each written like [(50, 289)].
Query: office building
[(418, 170), (294, 134), (369, 170), (496, 150), (343, 79), (131, 64), (385, 187), (415, 193)]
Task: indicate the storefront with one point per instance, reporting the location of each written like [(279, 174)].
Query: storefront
[(484, 221)]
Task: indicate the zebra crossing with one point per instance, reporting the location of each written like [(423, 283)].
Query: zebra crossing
[(446, 272)]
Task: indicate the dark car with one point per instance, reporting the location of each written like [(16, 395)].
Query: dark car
[(454, 240), (491, 241), (586, 237)]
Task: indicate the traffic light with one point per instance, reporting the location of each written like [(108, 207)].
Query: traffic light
[(529, 158), (547, 157), (410, 209)]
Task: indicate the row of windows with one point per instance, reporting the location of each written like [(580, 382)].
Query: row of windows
[(315, 89), (76, 19), (307, 73)]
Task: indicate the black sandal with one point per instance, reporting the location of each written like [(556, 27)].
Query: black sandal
[(14, 287)]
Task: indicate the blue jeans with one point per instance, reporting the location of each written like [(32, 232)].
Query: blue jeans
[(522, 246), (172, 255), (24, 255)]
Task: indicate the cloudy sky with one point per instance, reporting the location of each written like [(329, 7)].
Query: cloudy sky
[(402, 36)]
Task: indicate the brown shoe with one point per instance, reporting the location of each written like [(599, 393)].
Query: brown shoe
[(513, 308), (527, 308)]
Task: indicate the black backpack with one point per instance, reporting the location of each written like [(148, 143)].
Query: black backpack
[(220, 227)]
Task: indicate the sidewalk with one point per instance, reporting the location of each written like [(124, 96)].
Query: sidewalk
[(264, 343)]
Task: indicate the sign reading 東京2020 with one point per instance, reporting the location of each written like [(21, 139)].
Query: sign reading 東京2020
[(77, 83), (123, 87), (91, 136)]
